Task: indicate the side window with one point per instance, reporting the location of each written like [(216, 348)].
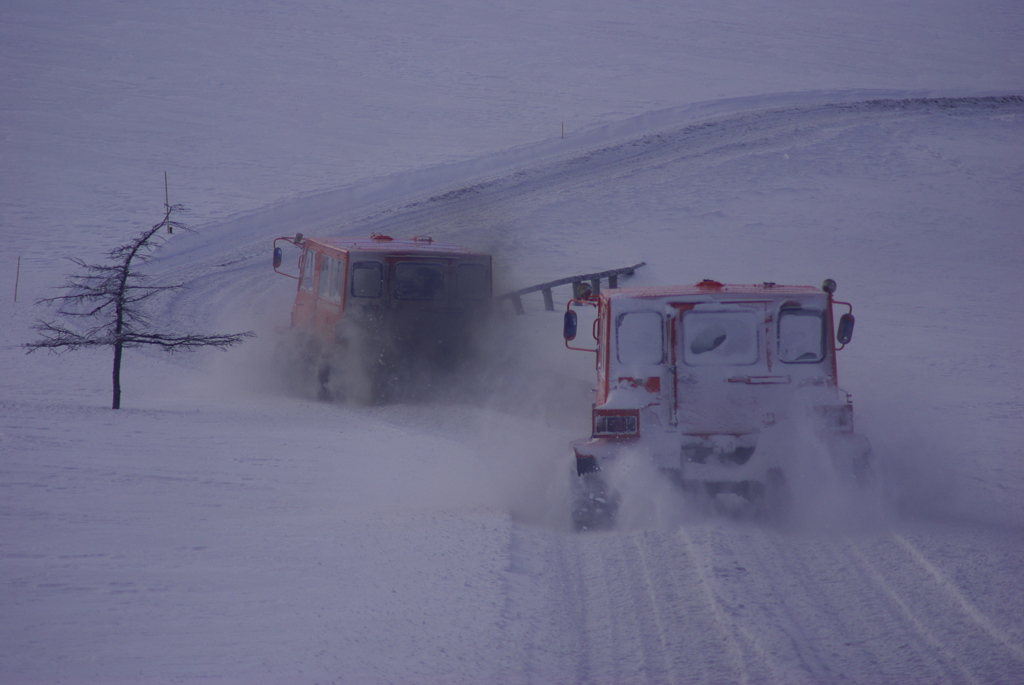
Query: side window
[(419, 281), (639, 338), (323, 285), (801, 336), (337, 286), (720, 338), (308, 264), (367, 279), (471, 282)]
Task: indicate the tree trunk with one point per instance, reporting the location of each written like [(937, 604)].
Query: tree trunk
[(117, 375)]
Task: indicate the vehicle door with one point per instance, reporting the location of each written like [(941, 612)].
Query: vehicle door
[(330, 294), (304, 308), (636, 367), (723, 380)]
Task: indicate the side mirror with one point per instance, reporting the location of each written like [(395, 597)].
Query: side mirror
[(278, 257), (569, 326), (845, 332)]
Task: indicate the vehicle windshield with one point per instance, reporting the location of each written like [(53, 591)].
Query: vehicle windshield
[(801, 336), (720, 338)]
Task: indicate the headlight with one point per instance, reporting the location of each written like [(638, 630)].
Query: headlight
[(616, 424)]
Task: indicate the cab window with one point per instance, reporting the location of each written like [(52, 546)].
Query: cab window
[(801, 336), (638, 338), (367, 279), (720, 338), (308, 264), (337, 278), (323, 284), (471, 282), (419, 281)]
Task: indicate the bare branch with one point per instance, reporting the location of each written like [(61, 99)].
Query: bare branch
[(110, 294), (57, 338), (172, 343), (148, 291)]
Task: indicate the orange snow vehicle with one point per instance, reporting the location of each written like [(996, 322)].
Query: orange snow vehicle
[(380, 319), (710, 382)]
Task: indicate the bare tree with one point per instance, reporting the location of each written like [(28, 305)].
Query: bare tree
[(107, 299)]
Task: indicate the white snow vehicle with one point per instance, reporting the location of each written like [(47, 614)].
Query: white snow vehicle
[(701, 379)]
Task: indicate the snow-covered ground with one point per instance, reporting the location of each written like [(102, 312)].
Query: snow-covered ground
[(218, 529)]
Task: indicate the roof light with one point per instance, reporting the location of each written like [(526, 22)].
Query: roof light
[(829, 286)]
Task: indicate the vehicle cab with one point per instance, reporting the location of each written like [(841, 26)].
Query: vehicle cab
[(695, 376), (383, 308)]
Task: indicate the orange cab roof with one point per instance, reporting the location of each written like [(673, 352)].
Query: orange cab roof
[(711, 288), (376, 243)]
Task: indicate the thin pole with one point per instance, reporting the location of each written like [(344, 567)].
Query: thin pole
[(17, 278), (167, 203)]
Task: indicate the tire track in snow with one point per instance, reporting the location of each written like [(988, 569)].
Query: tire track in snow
[(666, 597), (698, 635), (637, 636), (950, 589), (819, 616), (602, 631), (788, 605), (947, 658), (645, 617), (670, 579), (703, 573), (632, 547), (681, 607), (958, 634)]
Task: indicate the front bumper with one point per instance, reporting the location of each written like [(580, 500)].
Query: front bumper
[(743, 458)]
